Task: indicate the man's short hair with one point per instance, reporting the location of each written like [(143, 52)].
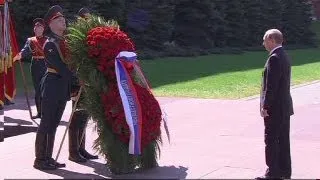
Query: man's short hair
[(274, 34)]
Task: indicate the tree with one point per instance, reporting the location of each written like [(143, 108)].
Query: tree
[(149, 22), (25, 11), (235, 31), (272, 14), (110, 9), (185, 25), (254, 24), (193, 21), (296, 22)]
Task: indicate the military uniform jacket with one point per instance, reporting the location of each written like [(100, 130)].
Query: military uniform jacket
[(56, 85), (34, 47)]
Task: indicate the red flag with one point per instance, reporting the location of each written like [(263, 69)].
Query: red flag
[(2, 86), (7, 72), (10, 79)]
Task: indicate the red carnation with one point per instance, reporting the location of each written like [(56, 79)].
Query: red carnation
[(104, 44)]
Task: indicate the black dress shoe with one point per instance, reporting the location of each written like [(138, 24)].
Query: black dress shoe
[(286, 177), (43, 165), (55, 163), (87, 155), (36, 116), (77, 158), (266, 177), (7, 102)]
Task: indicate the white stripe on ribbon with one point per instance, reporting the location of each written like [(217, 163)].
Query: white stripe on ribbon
[(130, 102), (132, 57)]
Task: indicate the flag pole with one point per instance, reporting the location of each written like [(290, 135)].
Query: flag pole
[(8, 54)]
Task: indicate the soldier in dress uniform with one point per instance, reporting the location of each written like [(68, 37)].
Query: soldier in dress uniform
[(55, 89), (84, 12), (34, 47), (77, 129)]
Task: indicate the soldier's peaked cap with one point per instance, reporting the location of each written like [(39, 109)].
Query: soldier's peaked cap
[(38, 21), (83, 11), (53, 13)]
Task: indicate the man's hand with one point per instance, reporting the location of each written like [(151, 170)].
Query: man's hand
[(81, 83), (74, 94), (264, 113), (17, 57)]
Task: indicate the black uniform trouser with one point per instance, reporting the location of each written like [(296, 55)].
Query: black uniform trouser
[(51, 114), (78, 123), (52, 111), (277, 149), (79, 120), (38, 69)]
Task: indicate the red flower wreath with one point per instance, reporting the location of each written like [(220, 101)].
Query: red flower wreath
[(105, 43)]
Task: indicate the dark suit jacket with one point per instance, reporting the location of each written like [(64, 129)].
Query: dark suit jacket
[(275, 90)]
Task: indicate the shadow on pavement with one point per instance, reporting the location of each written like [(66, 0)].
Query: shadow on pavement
[(11, 131), (162, 172), (23, 127), (66, 174), (1, 135), (17, 121)]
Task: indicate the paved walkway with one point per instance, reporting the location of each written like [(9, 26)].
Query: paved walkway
[(210, 139)]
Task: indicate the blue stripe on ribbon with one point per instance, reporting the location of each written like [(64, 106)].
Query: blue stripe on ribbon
[(132, 102)]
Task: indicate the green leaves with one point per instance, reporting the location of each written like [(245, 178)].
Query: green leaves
[(115, 151), (74, 33)]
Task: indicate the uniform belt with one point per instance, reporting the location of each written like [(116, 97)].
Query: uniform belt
[(52, 70), (38, 57)]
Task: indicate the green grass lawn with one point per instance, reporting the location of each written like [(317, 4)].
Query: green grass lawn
[(226, 76), (217, 76), (223, 76)]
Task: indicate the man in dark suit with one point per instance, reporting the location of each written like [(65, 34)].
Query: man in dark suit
[(276, 107)]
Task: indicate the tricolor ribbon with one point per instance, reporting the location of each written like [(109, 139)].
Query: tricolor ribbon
[(130, 102)]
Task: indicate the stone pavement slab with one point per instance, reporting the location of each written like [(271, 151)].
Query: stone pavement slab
[(210, 138)]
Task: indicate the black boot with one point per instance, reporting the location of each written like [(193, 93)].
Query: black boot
[(82, 149), (74, 154), (51, 138), (41, 162), (38, 105), (36, 116), (8, 102)]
